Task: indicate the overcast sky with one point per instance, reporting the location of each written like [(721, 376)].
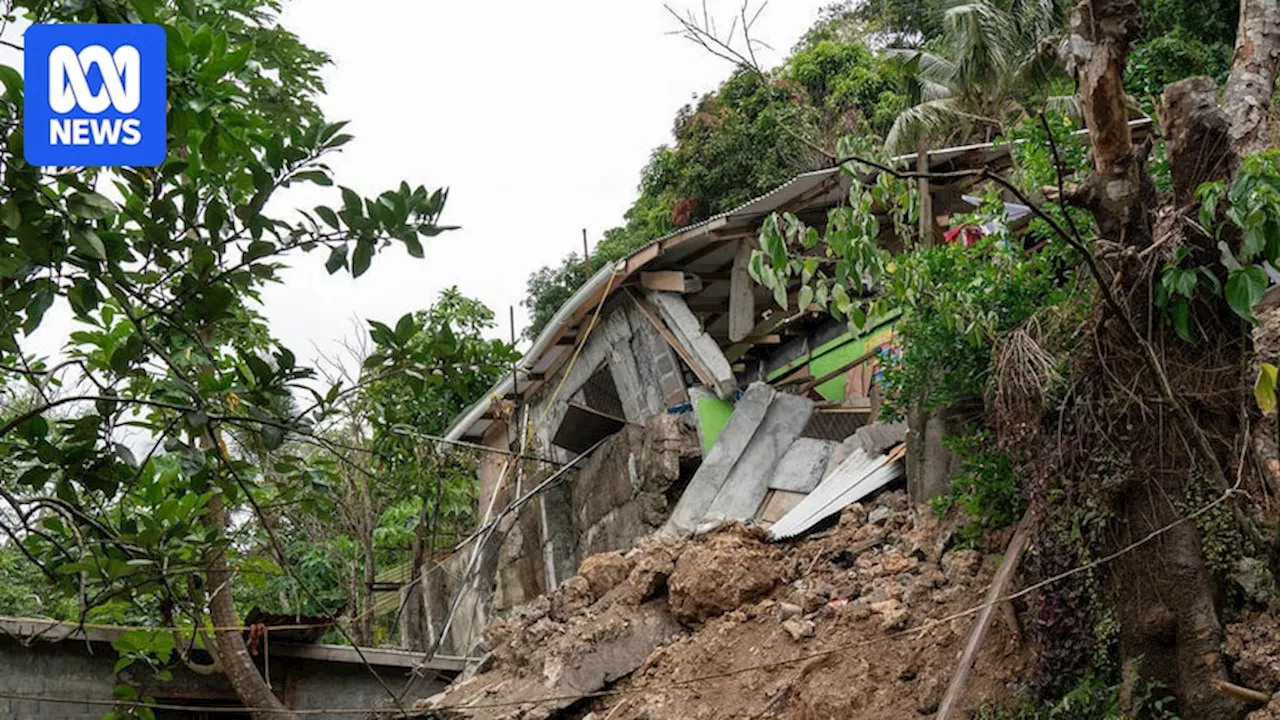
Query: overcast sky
[(538, 116)]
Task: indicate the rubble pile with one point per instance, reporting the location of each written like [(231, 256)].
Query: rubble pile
[(729, 625), (1252, 650)]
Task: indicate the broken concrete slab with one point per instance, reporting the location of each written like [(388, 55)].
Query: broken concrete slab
[(802, 466), (719, 462), (878, 437), (744, 489), (696, 342), (566, 665)]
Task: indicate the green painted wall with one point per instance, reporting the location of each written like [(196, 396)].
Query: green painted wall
[(833, 354), (713, 415)]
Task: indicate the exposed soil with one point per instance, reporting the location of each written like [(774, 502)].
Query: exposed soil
[(740, 627)]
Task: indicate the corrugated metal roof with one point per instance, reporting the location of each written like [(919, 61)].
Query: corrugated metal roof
[(855, 478)]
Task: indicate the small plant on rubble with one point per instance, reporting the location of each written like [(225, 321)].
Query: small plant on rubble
[(987, 487)]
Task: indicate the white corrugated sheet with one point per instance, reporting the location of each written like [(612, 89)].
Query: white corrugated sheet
[(857, 477)]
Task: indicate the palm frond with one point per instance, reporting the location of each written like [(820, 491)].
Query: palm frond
[(931, 120)]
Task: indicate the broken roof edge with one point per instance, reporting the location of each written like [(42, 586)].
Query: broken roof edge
[(654, 249), (562, 319)]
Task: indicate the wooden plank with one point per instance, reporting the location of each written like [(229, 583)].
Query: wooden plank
[(742, 298), (668, 280), (1021, 538), (650, 314), (773, 339)]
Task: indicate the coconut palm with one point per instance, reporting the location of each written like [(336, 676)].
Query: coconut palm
[(992, 58)]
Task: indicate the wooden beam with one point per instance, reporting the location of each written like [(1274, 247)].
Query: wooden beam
[(927, 226), (763, 339), (651, 314), (671, 281), (1021, 538), (742, 298)]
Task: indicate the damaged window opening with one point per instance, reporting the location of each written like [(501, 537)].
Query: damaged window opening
[(593, 413)]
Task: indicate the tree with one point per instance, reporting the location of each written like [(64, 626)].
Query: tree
[(990, 60), (165, 266), (1124, 448), (424, 372)]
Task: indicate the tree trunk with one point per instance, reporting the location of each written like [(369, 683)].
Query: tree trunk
[(413, 615), (1101, 34), (1247, 100), (362, 629), (233, 654)]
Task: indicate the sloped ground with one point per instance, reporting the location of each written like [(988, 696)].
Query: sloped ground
[(729, 625)]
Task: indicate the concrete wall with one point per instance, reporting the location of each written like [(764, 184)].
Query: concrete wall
[(623, 492), (644, 368), (75, 669)]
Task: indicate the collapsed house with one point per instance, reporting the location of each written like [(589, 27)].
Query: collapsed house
[(670, 391)]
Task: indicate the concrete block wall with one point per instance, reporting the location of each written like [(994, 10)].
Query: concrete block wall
[(75, 669)]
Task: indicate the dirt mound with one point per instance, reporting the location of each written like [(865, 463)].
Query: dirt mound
[(1252, 651), (729, 625), (730, 569), (834, 639)]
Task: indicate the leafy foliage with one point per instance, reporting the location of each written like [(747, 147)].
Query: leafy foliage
[(173, 408), (1251, 214)]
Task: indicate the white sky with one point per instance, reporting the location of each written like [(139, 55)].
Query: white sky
[(537, 115)]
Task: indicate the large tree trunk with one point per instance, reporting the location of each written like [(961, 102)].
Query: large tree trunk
[(1247, 100), (1101, 33), (1165, 593), (233, 654)]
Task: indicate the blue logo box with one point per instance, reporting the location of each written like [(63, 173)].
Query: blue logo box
[(95, 95)]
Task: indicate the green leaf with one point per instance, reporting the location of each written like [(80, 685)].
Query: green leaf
[(12, 83), (1181, 315), (10, 214), (806, 297), (329, 216), (405, 328), (90, 205), (319, 177), (352, 203), (1245, 288), (361, 258), (1264, 389), (337, 259), (87, 243), (258, 249)]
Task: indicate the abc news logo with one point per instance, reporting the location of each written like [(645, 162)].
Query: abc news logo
[(69, 89), (95, 95)]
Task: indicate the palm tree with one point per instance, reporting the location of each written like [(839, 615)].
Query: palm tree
[(991, 60)]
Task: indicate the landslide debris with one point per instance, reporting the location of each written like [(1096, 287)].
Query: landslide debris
[(729, 625)]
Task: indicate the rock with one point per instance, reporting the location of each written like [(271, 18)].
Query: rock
[(650, 570), (879, 515), (788, 610), (798, 628), (1254, 579), (895, 563), (961, 564), (573, 595), (728, 570), (604, 571), (892, 615)]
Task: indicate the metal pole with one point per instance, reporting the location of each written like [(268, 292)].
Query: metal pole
[(586, 255)]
